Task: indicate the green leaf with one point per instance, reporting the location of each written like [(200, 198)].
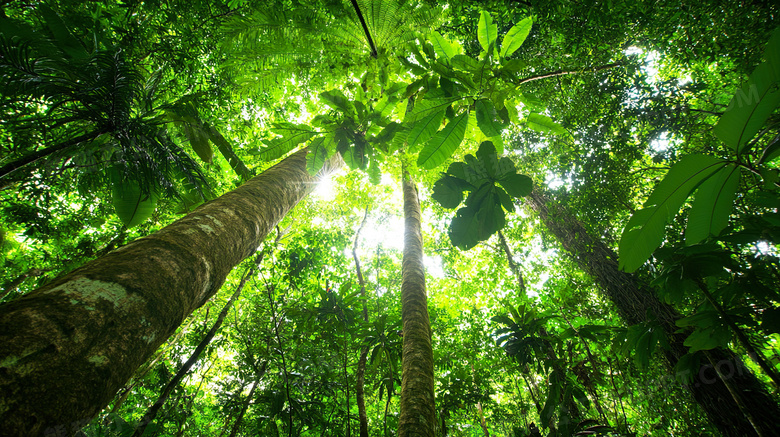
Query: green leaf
[(544, 124), (132, 206), (465, 63), (710, 338), (63, 38), (754, 102), (444, 143), (199, 140), (426, 107), (374, 174), (318, 154), (448, 191), (517, 185), (337, 100), (423, 130), (516, 36), (487, 118), (711, 207), (444, 49), (646, 228), (487, 31), (292, 136)]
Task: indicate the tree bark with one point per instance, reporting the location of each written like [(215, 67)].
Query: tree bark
[(417, 403), (151, 413), (634, 301), (67, 347)]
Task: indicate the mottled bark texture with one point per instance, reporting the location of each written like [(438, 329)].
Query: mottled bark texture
[(66, 348), (417, 405), (636, 303)]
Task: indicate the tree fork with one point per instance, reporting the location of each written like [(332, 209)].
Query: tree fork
[(66, 348)]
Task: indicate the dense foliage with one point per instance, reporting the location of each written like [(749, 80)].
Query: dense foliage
[(563, 130)]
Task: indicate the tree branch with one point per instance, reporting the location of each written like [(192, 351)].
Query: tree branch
[(565, 72)]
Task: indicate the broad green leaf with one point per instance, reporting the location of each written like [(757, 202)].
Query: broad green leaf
[(487, 118), (487, 31), (318, 154), (754, 102), (544, 124), (517, 185), (516, 36), (424, 108), (465, 63), (711, 207), (444, 143), (444, 49), (132, 206), (448, 191), (423, 130), (646, 228), (687, 368), (486, 154)]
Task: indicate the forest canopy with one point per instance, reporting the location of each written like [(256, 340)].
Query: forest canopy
[(395, 217)]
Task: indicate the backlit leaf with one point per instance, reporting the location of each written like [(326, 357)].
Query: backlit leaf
[(711, 207), (444, 143), (515, 37), (487, 31)]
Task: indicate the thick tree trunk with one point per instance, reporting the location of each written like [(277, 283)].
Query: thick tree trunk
[(151, 413), (634, 301), (66, 348), (417, 405)]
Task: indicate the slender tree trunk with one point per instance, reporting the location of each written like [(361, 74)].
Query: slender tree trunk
[(247, 401), (361, 370), (634, 301), (185, 368), (417, 404), (66, 348)]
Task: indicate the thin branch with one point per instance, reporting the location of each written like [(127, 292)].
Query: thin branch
[(565, 72)]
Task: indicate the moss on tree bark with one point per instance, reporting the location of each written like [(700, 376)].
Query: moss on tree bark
[(66, 348)]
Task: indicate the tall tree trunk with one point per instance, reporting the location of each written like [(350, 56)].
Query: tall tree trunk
[(361, 370), (634, 301), (151, 413), (66, 348), (417, 405)]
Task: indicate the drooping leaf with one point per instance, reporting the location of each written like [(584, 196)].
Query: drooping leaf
[(711, 207), (487, 31), (516, 36), (645, 229), (374, 174), (318, 154), (544, 124), (423, 130), (444, 143), (199, 140), (131, 204), (754, 102)]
